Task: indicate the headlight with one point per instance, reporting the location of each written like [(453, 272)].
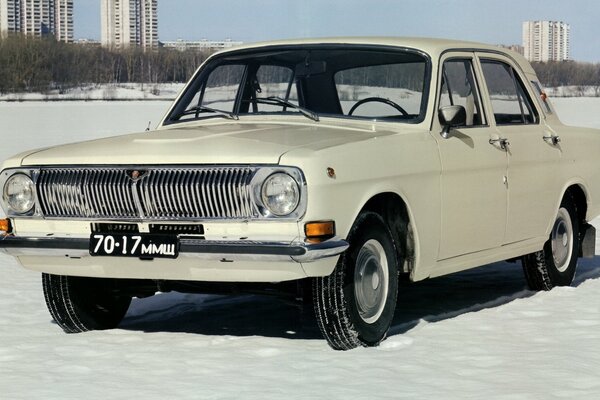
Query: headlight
[(19, 193), (280, 194)]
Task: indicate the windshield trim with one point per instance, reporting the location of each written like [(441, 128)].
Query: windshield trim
[(230, 57)]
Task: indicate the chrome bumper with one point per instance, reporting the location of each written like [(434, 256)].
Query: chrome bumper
[(235, 250)]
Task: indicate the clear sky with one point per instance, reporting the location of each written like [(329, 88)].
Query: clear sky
[(490, 21)]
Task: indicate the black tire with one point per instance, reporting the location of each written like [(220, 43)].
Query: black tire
[(82, 304), (342, 308), (556, 263)]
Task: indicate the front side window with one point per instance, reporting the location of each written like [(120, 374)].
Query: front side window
[(510, 102), (459, 88)]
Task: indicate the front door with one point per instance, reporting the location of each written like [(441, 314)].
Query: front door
[(473, 181)]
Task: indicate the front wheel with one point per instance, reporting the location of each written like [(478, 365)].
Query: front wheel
[(556, 263), (82, 304), (355, 304)]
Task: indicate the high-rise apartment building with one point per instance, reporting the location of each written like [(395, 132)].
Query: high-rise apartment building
[(546, 40), (37, 18), (63, 25), (129, 23)]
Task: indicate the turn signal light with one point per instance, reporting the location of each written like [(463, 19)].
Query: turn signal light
[(319, 231), (4, 226)]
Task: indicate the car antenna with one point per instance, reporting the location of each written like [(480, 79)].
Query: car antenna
[(148, 127)]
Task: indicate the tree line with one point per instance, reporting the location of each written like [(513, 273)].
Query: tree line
[(569, 73), (40, 65)]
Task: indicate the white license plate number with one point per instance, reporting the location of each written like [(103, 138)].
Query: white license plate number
[(134, 245)]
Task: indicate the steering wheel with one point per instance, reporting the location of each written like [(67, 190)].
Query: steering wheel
[(379, 100)]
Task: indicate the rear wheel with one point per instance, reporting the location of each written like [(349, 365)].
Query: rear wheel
[(82, 304), (556, 263), (355, 304)]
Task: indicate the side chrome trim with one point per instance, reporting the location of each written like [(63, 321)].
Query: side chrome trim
[(234, 250)]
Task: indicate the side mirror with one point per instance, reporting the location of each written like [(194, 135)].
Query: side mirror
[(450, 117)]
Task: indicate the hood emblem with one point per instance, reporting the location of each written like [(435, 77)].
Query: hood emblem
[(136, 174)]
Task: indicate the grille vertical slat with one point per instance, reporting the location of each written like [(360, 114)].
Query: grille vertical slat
[(218, 194), (160, 193), (118, 195), (226, 191), (198, 191), (109, 194), (209, 193), (191, 204), (165, 193), (238, 193), (204, 188), (182, 210), (102, 192)]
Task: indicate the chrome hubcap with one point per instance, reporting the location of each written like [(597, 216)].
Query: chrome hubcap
[(371, 281), (561, 240)]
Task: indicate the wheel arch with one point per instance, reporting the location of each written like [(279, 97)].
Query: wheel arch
[(578, 191), (397, 215), (580, 195)]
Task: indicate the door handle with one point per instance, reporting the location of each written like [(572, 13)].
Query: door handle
[(503, 142), (554, 140)]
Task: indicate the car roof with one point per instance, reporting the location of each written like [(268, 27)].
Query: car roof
[(432, 46)]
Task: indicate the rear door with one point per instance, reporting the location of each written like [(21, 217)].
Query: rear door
[(532, 160)]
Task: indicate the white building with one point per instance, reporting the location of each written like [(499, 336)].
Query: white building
[(129, 23), (63, 25), (203, 44), (546, 41), (10, 16), (37, 18)]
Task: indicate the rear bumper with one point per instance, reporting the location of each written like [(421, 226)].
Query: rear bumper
[(238, 250)]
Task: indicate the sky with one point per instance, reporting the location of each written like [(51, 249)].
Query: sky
[(488, 21)]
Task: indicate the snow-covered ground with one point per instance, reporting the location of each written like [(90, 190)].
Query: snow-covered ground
[(474, 335), (105, 91)]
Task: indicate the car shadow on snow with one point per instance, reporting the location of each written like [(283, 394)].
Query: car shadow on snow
[(431, 300)]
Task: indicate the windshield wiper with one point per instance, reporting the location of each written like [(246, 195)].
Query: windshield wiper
[(278, 101), (202, 109)]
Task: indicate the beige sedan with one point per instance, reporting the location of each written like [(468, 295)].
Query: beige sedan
[(335, 165)]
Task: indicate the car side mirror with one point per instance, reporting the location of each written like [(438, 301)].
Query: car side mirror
[(450, 117)]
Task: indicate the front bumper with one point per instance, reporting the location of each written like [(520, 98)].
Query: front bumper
[(238, 250)]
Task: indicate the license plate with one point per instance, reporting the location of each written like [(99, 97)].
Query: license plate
[(134, 245)]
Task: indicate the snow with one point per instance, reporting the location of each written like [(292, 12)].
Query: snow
[(574, 91), (106, 91), (472, 335)]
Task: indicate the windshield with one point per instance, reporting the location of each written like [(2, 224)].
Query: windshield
[(349, 82)]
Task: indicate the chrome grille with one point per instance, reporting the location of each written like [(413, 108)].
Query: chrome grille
[(192, 193)]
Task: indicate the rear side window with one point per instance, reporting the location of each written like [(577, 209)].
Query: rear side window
[(510, 102)]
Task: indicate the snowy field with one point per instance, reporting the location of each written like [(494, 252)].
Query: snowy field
[(104, 91), (473, 335)]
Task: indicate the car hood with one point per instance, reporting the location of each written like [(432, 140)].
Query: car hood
[(217, 143)]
